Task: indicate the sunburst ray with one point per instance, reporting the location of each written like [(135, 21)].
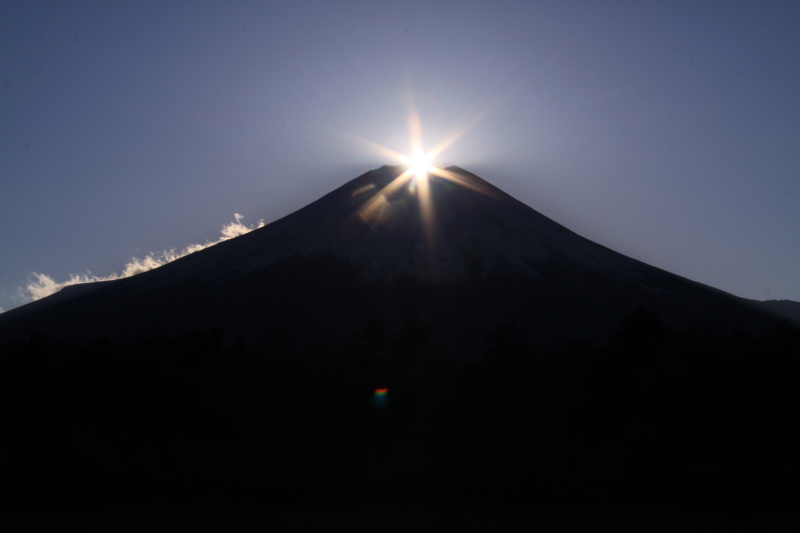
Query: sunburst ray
[(420, 167)]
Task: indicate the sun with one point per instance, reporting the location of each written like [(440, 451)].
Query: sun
[(419, 164), (415, 179)]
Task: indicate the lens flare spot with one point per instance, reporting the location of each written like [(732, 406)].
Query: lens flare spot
[(380, 398)]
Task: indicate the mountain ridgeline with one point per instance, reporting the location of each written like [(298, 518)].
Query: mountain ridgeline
[(474, 259)]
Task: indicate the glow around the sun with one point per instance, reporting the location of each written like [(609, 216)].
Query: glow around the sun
[(415, 179), (419, 164)]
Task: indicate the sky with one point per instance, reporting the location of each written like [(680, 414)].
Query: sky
[(667, 131)]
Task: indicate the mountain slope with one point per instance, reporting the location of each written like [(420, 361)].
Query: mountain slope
[(784, 308), (476, 258)]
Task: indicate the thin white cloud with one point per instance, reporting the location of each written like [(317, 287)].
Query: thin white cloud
[(41, 285)]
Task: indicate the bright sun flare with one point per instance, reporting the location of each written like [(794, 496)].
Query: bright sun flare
[(415, 178), (419, 164)]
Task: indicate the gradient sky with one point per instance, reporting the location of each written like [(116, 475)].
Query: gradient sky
[(667, 131)]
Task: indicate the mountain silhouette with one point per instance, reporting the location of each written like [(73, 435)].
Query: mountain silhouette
[(469, 259)]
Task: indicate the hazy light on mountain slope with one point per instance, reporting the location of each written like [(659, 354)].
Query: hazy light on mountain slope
[(41, 285)]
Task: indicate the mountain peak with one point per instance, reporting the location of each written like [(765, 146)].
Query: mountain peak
[(454, 248)]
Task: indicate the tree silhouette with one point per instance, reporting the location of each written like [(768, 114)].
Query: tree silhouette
[(641, 335), (413, 348), (374, 336), (507, 346)]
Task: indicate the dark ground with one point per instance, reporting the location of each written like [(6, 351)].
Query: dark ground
[(657, 430), (391, 521)]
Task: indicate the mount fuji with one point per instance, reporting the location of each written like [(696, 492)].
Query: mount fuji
[(458, 253)]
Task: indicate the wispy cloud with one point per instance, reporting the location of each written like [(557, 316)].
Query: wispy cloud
[(41, 285)]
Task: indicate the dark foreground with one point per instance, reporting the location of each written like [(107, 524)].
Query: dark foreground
[(394, 521), (657, 430)]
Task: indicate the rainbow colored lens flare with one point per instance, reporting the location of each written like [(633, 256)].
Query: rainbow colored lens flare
[(380, 398)]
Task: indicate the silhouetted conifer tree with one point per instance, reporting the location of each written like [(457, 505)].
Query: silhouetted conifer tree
[(640, 332), (507, 345), (375, 334), (239, 349), (367, 360), (413, 348)]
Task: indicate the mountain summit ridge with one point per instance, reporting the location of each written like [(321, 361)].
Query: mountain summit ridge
[(464, 255), (339, 223)]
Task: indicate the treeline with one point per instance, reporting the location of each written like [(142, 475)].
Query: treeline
[(653, 418)]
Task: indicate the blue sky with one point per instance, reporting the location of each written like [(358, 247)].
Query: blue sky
[(667, 131)]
